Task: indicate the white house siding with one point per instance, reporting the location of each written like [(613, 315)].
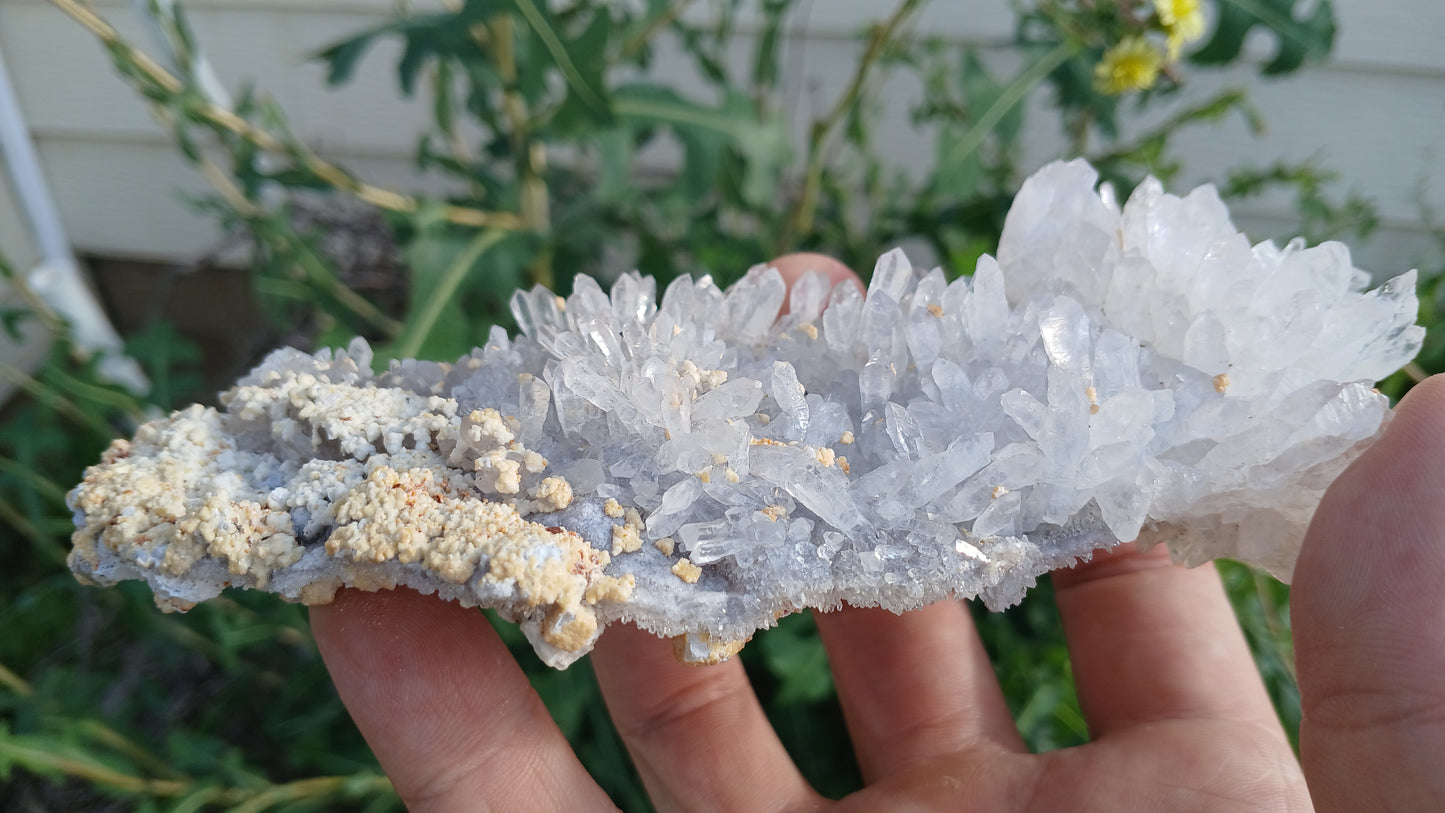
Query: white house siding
[(1375, 114)]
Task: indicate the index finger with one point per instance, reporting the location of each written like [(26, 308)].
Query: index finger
[(445, 708)]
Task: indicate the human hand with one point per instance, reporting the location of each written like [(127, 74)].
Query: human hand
[(1178, 715)]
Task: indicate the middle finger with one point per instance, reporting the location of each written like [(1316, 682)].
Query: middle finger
[(1151, 641), (697, 733), (914, 686)]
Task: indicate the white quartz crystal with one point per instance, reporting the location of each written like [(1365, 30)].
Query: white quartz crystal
[(700, 465)]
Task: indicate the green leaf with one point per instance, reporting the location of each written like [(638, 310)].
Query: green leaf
[(183, 37), (436, 327), (342, 58), (982, 90), (766, 149), (794, 654), (426, 36), (1299, 40), (956, 173), (1003, 103), (702, 131), (12, 318), (614, 163), (581, 60), (765, 59), (443, 111), (170, 360), (764, 146)]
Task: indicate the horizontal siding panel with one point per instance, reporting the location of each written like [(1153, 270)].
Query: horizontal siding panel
[(1380, 136), (129, 199), (269, 50), (1400, 33)]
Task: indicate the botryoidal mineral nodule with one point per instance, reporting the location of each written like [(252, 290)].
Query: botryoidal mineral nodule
[(700, 465)]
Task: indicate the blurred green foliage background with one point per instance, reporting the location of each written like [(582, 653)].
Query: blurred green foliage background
[(543, 113)]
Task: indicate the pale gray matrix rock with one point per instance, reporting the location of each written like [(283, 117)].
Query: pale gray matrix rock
[(699, 465)]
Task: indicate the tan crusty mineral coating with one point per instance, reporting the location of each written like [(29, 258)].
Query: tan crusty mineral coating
[(136, 506), (173, 500)]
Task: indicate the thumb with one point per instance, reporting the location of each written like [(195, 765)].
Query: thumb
[(794, 266), (1368, 610)]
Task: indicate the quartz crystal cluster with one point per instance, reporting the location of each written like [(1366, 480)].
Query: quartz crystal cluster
[(700, 465)]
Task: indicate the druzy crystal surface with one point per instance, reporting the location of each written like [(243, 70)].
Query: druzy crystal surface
[(699, 464)]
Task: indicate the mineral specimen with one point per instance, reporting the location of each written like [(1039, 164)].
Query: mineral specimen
[(701, 465)]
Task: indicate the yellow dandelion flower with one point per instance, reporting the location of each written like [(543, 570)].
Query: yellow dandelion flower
[(1133, 64), (1183, 22)]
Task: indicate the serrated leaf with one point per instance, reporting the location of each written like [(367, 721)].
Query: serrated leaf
[(342, 58), (1298, 40), (425, 36)]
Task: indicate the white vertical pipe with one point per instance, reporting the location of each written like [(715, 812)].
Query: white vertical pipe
[(57, 280), (24, 166)]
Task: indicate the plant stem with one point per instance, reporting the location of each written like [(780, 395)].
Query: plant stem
[(104, 734), (1226, 100), (529, 154), (48, 396), (44, 543), (127, 56), (313, 788), (1016, 92), (282, 238), (42, 311), (34, 479), (14, 682), (1279, 637), (801, 220), (42, 761), (421, 327), (121, 401), (638, 41)]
